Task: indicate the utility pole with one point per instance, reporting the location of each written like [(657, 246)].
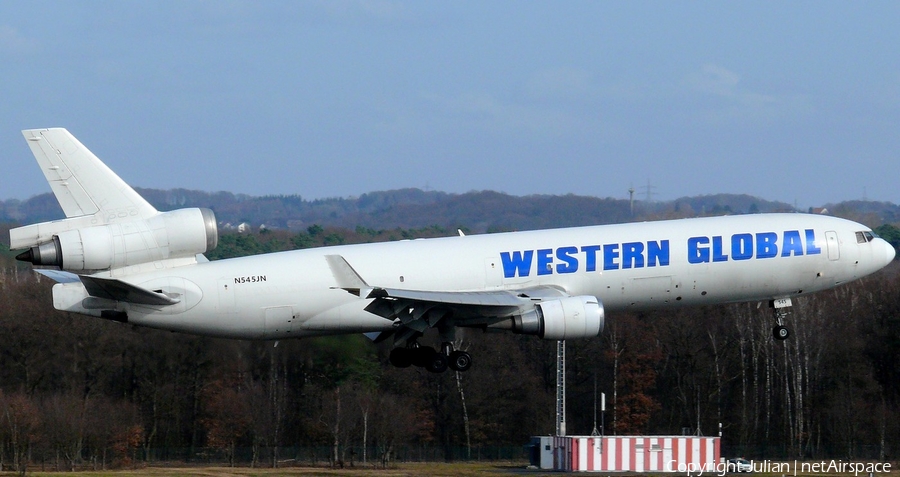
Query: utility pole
[(651, 191)]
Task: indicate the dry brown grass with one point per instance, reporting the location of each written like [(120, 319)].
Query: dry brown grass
[(398, 470)]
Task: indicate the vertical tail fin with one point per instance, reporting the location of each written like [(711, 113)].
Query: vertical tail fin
[(83, 185), (88, 191)]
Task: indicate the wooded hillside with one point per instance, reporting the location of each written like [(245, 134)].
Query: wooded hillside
[(413, 208)]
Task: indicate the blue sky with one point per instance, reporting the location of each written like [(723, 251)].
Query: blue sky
[(790, 101)]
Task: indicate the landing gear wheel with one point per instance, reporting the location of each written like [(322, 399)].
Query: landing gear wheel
[(460, 361), (781, 308), (437, 363), (780, 332), (422, 355), (401, 357)]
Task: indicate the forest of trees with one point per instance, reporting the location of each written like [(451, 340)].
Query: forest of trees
[(79, 392)]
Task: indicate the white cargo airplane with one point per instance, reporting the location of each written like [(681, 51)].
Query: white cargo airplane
[(135, 264)]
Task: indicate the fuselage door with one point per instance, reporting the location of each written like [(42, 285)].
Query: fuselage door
[(493, 272), (279, 320), (834, 249)]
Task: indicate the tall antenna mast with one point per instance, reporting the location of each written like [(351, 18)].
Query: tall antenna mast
[(561, 388), (650, 191), (631, 198), (595, 432)]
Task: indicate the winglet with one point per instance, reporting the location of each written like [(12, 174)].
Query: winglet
[(346, 276)]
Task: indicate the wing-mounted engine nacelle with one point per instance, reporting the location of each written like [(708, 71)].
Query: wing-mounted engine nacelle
[(563, 318), (175, 234)]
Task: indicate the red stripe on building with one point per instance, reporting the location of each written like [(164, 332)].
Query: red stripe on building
[(648, 450), (620, 453), (718, 444), (662, 453), (574, 456)]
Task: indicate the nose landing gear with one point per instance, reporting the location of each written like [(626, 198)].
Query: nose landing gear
[(781, 308)]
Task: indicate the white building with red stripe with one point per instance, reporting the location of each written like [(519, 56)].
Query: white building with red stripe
[(630, 453)]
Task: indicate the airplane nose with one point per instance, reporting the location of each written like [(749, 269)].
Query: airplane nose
[(890, 252)]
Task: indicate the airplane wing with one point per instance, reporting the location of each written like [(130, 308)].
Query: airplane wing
[(418, 310), (82, 184), (394, 303)]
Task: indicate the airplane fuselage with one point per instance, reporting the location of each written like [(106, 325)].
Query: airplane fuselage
[(643, 265)]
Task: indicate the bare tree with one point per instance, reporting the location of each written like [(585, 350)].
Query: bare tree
[(21, 422)]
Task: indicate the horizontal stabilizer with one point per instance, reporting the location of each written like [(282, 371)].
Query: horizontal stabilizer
[(117, 290), (58, 276)]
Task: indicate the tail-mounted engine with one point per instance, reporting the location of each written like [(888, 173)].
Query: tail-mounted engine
[(175, 234), (562, 318)]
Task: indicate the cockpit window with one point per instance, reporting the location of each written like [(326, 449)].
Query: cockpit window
[(864, 237)]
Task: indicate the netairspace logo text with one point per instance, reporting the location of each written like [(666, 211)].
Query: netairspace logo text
[(786, 468)]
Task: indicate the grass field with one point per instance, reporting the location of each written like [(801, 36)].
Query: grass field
[(399, 470)]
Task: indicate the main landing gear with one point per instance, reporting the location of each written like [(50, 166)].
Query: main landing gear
[(430, 359), (781, 308)]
